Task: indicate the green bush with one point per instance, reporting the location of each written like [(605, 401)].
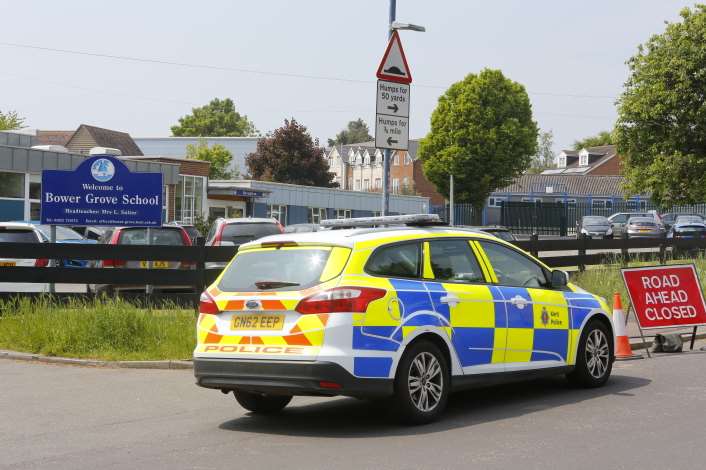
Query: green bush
[(101, 329)]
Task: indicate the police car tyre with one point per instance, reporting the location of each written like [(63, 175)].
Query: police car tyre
[(260, 402), (594, 357), (422, 384)]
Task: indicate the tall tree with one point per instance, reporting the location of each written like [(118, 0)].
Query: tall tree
[(290, 155), (545, 153), (602, 138), (661, 128), (10, 121), (482, 132), (356, 131), (217, 155), (216, 119)]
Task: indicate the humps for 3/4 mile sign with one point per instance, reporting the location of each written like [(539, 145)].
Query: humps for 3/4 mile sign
[(392, 98)]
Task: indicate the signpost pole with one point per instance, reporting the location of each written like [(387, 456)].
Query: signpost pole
[(149, 287), (452, 218), (52, 263), (387, 153), (642, 335), (693, 338)]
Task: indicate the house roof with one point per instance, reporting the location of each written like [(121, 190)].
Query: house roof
[(370, 147), (570, 184), (114, 139), (52, 137), (603, 152)]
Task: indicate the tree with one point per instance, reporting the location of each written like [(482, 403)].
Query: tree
[(661, 128), (218, 156), (482, 132), (290, 155), (218, 118), (602, 138), (356, 131), (545, 153), (10, 121)]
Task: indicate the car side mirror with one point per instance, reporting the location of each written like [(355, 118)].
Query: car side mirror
[(559, 278)]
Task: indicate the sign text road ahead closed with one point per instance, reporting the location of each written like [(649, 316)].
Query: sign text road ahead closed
[(665, 296)]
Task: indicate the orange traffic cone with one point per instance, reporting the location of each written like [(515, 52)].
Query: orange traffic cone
[(623, 351)]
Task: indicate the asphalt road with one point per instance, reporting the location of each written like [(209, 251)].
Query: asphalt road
[(649, 416)]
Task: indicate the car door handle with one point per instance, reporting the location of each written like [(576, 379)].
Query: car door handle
[(519, 301), (452, 300)]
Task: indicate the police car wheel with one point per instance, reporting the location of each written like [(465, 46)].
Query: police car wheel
[(593, 357), (260, 402), (421, 384)]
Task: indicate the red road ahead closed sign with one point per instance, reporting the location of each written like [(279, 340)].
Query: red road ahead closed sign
[(665, 296)]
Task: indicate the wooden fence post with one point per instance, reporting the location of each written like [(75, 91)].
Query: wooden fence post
[(534, 238), (200, 271), (663, 249), (624, 249), (582, 252)]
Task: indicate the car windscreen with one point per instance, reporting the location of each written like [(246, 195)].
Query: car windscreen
[(160, 236), (193, 232), (593, 220), (282, 269), (502, 234), (689, 219), (244, 232), (642, 222), (62, 233), (17, 235)]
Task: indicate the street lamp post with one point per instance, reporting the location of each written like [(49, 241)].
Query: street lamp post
[(387, 154)]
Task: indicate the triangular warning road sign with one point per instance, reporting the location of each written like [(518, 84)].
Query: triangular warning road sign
[(393, 65)]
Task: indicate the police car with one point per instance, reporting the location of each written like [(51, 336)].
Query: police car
[(394, 308)]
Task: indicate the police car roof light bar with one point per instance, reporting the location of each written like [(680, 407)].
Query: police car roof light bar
[(407, 219)]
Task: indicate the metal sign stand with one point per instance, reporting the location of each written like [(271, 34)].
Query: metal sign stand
[(642, 335), (149, 287), (52, 263)]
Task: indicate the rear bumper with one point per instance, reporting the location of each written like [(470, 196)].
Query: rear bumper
[(286, 378)]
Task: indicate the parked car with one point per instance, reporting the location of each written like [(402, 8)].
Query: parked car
[(643, 227), (669, 218), (302, 228), (235, 232), (21, 232), (91, 233), (619, 221), (166, 235), (66, 235), (193, 232), (502, 233), (594, 226), (688, 226)]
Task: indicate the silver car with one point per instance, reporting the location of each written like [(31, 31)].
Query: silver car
[(594, 226), (643, 227)]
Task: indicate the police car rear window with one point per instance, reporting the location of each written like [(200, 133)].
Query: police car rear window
[(399, 260), (283, 269)]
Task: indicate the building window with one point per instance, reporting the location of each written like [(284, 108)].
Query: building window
[(396, 159), (395, 185), (188, 200), (602, 204), (495, 201), (561, 161), (407, 159), (343, 213), (279, 212), (531, 199), (316, 215), (215, 212), (350, 183), (366, 185), (570, 202), (12, 185), (377, 213), (583, 159), (635, 204), (378, 183)]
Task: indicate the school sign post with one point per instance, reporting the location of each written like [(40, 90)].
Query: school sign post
[(101, 191)]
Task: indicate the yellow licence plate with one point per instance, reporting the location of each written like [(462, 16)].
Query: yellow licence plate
[(257, 321), (155, 264), (8, 263)]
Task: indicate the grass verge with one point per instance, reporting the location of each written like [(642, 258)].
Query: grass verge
[(105, 329)]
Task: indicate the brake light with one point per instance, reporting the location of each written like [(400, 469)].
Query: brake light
[(340, 299), (207, 305), (217, 238), (41, 263), (281, 227), (113, 263)]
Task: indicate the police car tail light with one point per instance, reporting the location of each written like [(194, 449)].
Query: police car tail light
[(340, 299), (41, 263), (207, 304)]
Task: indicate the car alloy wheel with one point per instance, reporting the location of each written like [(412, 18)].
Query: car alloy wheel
[(597, 353), (425, 382)]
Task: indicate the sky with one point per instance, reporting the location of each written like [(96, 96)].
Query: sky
[(314, 60)]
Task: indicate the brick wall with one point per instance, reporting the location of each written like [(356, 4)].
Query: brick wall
[(612, 166), (424, 187)]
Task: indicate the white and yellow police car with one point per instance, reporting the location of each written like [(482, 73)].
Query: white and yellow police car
[(407, 313)]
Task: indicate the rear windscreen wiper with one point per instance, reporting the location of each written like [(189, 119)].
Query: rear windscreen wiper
[(262, 285)]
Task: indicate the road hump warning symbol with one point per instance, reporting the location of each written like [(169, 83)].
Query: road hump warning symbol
[(393, 66)]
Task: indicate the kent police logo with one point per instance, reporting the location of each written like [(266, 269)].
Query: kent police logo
[(102, 170), (545, 316)]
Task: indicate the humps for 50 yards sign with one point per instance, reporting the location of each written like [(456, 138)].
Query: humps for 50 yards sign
[(101, 191)]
